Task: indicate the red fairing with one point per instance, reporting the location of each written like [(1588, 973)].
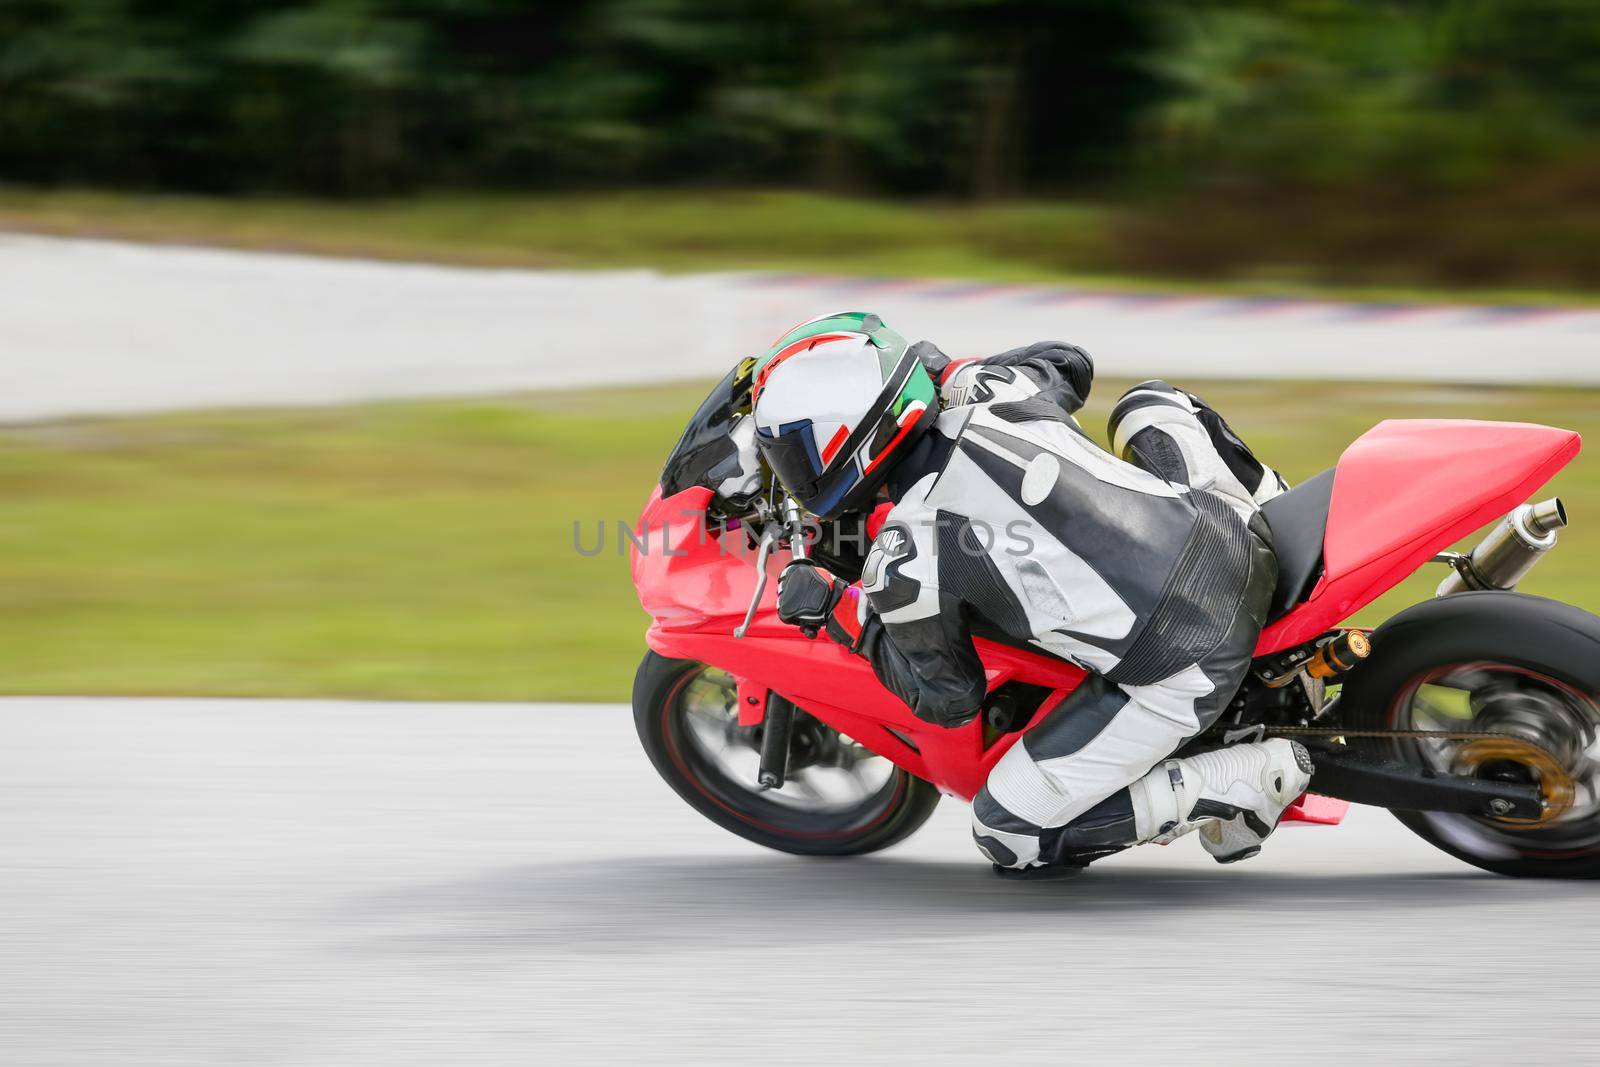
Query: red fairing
[(1408, 489), (696, 585)]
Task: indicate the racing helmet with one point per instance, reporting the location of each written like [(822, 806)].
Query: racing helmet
[(836, 402)]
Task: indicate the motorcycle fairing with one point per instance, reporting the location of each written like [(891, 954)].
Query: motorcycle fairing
[(1406, 490), (696, 585)]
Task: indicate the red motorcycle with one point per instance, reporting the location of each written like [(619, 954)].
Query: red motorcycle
[(1471, 716)]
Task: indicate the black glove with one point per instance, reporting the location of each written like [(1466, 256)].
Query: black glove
[(807, 595)]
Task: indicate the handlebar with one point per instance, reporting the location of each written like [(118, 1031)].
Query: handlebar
[(793, 517)]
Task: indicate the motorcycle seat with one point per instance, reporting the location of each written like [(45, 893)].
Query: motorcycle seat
[(1298, 519)]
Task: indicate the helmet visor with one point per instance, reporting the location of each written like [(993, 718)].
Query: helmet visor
[(792, 454)]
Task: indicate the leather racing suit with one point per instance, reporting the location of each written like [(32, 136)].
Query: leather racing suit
[(1152, 571)]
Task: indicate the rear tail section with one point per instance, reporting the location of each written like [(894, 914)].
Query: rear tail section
[(1404, 491)]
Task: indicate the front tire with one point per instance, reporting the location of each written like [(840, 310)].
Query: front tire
[(1503, 663), (842, 801)]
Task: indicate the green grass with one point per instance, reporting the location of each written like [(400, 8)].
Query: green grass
[(669, 231), (695, 231), (425, 550)]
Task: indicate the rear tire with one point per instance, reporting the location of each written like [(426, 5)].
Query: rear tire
[(1534, 653), (886, 815)]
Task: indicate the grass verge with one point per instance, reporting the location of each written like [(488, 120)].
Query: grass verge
[(425, 550), (1091, 244)]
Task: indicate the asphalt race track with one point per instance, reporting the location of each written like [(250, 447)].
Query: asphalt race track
[(100, 327), (251, 882)]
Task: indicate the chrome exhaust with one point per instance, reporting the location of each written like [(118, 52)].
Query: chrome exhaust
[(1508, 553)]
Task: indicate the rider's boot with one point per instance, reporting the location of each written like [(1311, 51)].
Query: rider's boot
[(1234, 796)]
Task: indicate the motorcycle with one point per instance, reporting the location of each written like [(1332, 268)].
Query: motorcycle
[(1471, 716)]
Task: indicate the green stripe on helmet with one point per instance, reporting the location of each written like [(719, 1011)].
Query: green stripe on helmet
[(890, 345), (917, 387)]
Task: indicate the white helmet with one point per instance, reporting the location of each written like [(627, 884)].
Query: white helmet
[(836, 401)]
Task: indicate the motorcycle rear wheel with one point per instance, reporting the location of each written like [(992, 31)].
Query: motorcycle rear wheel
[(1502, 663), (687, 720)]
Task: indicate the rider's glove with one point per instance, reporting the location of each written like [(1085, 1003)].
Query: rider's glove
[(811, 598), (807, 595)]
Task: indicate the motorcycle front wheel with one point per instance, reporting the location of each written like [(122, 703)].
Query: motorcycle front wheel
[(839, 799), (1521, 668)]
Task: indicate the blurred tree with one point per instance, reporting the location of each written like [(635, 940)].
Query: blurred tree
[(1430, 93), (334, 80), (970, 97), (370, 96)]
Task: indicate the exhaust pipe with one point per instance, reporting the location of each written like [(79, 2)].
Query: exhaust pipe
[(1508, 553)]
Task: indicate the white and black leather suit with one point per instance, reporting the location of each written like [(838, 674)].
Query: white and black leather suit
[(1153, 571)]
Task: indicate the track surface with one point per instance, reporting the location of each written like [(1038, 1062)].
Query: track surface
[(247, 882), (99, 327)]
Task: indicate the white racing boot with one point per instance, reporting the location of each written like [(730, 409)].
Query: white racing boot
[(1234, 796)]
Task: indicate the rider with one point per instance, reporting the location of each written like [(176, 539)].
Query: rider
[(1153, 571)]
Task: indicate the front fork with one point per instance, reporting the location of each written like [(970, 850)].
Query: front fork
[(760, 706)]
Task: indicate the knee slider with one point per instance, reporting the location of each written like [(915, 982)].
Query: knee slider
[(1004, 838)]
